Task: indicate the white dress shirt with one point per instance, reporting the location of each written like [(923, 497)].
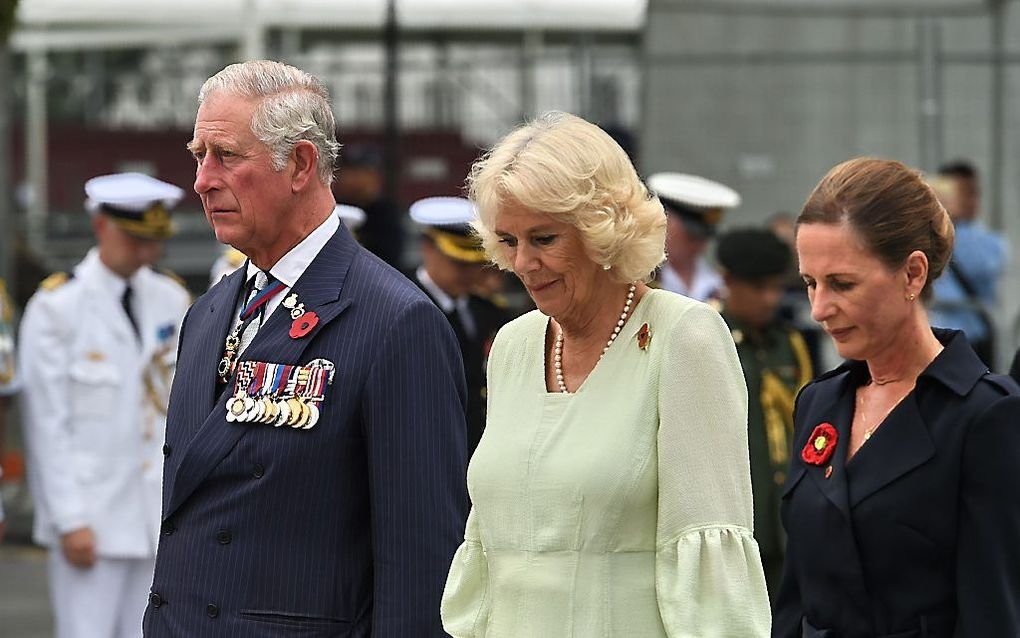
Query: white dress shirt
[(291, 266), (706, 283)]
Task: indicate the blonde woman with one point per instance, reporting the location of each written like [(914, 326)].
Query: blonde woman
[(611, 490)]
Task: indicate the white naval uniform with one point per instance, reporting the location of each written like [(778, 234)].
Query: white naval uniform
[(707, 282), (95, 400)]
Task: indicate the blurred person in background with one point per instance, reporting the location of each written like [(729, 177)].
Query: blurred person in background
[(784, 226), (902, 501), (776, 366), (611, 490), (453, 263), (231, 258), (966, 295), (361, 183), (794, 307), (97, 353), (8, 378), (695, 206), (314, 483)]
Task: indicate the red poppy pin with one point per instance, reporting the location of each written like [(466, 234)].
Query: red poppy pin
[(821, 444), (644, 337), (303, 325)]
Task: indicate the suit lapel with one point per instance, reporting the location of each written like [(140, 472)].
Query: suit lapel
[(193, 393), (901, 444), (838, 411), (216, 321), (319, 289)]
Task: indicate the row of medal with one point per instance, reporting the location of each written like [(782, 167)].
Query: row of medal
[(279, 394)]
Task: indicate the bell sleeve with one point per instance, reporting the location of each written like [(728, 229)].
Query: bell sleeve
[(465, 598), (709, 579)]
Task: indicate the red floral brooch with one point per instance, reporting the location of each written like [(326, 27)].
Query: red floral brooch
[(303, 324), (644, 337), (821, 444)]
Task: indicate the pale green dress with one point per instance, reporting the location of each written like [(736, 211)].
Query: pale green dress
[(623, 509)]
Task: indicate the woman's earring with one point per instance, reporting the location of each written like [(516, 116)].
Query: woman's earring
[(911, 297), (606, 266)]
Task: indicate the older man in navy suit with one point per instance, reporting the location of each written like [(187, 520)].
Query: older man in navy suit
[(315, 451)]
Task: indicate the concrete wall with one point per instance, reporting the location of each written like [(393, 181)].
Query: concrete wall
[(768, 101)]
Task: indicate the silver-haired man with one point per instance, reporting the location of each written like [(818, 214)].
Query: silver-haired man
[(314, 478)]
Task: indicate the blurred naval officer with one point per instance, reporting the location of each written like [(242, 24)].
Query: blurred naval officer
[(776, 365), (8, 378), (231, 258), (695, 206), (97, 353), (453, 265)]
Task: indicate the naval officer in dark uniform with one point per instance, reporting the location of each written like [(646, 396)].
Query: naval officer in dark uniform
[(776, 365), (453, 262)]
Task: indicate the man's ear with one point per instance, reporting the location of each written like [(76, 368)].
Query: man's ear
[(99, 223), (305, 158)]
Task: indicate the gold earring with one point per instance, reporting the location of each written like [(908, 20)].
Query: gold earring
[(911, 297)]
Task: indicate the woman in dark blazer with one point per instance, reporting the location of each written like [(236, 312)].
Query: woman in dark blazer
[(902, 503)]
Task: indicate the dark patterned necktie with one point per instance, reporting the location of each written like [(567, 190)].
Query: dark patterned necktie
[(125, 301)]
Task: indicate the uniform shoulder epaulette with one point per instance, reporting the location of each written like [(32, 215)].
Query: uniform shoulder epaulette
[(498, 300), (234, 257), (166, 272), (54, 281), (6, 305)]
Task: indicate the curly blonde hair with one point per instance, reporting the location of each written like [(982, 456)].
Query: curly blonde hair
[(570, 169)]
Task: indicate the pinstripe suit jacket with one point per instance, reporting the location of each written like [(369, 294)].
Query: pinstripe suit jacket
[(345, 529)]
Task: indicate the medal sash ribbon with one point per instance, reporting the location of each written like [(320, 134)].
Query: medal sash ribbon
[(261, 299), (254, 308), (258, 378)]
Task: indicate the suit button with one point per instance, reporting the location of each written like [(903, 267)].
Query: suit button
[(168, 528), (155, 600), (212, 610), (258, 471), (223, 537), (166, 449)]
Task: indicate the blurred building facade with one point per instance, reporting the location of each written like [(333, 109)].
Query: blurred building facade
[(767, 95), (764, 95), (112, 86)]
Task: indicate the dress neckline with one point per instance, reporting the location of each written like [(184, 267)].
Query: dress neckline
[(626, 335)]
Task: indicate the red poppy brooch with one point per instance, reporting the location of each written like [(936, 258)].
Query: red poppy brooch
[(644, 337), (303, 325), (821, 444)]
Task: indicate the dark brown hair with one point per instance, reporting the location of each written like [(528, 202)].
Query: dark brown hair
[(890, 209)]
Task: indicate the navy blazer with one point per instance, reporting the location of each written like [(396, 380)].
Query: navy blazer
[(345, 529), (918, 536)]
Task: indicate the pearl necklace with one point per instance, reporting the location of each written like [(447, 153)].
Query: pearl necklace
[(558, 350)]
